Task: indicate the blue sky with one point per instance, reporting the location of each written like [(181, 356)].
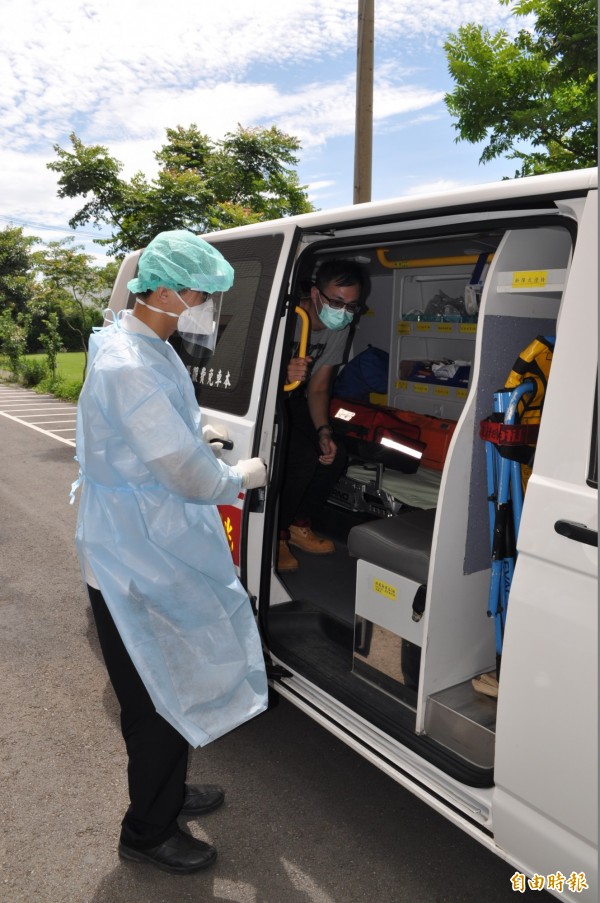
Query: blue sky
[(119, 72)]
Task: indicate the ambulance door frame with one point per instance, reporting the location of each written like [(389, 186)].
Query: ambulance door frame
[(255, 422), (256, 544)]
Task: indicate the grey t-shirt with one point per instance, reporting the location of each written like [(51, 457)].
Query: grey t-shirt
[(325, 346)]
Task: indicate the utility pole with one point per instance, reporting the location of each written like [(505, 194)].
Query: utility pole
[(363, 133)]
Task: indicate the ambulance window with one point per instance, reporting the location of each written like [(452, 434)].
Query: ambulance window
[(223, 381)]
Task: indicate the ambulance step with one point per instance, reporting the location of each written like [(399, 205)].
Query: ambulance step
[(463, 721)]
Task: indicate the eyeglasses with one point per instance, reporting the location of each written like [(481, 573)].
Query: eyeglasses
[(340, 305)]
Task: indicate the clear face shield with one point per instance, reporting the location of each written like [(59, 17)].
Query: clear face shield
[(198, 326)]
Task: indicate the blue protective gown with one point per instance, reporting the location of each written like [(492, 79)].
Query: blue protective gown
[(149, 532)]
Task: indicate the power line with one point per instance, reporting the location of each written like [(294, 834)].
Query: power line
[(47, 227)]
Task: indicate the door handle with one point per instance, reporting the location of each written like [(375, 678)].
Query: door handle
[(578, 532), (226, 444)]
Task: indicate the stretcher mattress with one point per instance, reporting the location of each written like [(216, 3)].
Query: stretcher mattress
[(420, 489)]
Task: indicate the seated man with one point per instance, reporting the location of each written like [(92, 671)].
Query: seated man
[(315, 461)]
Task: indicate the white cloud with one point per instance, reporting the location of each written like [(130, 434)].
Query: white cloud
[(119, 72), (29, 189), (103, 58)]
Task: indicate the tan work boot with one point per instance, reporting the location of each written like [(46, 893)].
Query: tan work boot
[(486, 684), (285, 559), (305, 539)]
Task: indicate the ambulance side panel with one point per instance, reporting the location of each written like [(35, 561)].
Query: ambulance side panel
[(548, 705)]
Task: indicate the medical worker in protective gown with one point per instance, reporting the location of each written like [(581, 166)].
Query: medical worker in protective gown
[(175, 625)]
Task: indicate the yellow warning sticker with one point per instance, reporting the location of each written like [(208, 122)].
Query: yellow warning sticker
[(529, 278), (384, 589)]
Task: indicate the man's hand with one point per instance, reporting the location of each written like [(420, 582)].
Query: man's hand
[(328, 448), (299, 369)]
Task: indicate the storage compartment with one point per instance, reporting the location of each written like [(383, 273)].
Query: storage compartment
[(391, 585), (387, 639)]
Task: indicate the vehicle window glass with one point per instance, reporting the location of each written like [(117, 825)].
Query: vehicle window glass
[(223, 380)]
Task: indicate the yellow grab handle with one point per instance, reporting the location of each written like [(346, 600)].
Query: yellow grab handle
[(289, 387), (456, 260)]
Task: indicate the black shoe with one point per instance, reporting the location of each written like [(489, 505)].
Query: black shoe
[(202, 798), (181, 854)]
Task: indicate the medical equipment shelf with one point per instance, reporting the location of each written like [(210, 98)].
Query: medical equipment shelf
[(436, 329), (428, 340), (458, 393)]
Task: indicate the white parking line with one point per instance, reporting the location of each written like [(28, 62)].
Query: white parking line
[(18, 405), (28, 408), (32, 426), (50, 422)]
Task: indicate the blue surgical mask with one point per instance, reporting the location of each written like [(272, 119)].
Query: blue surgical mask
[(334, 319)]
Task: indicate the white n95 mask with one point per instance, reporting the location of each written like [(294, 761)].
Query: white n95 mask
[(197, 325), (197, 321)]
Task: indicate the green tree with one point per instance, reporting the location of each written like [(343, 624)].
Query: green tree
[(533, 98), (72, 289), (13, 338), (51, 341), (16, 269), (201, 185)]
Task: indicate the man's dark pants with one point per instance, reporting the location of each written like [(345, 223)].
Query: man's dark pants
[(307, 483), (158, 754)]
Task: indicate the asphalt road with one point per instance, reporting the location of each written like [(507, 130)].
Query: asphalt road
[(306, 819)]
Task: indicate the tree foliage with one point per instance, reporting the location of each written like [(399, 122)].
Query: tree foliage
[(16, 269), (68, 297), (55, 292), (201, 185), (533, 98)]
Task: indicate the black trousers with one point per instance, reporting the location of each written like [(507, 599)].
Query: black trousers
[(307, 483), (157, 753)]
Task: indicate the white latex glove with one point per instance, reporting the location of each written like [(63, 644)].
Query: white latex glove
[(215, 432), (253, 472)]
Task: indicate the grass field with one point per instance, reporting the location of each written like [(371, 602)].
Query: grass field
[(69, 365)]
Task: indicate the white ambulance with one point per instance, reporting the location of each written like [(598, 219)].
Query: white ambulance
[(460, 283)]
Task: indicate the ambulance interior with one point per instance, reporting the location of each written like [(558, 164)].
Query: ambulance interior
[(394, 624)]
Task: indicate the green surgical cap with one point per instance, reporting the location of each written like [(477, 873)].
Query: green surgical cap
[(179, 260)]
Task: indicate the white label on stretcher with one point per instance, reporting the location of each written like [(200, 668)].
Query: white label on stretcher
[(343, 414)]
